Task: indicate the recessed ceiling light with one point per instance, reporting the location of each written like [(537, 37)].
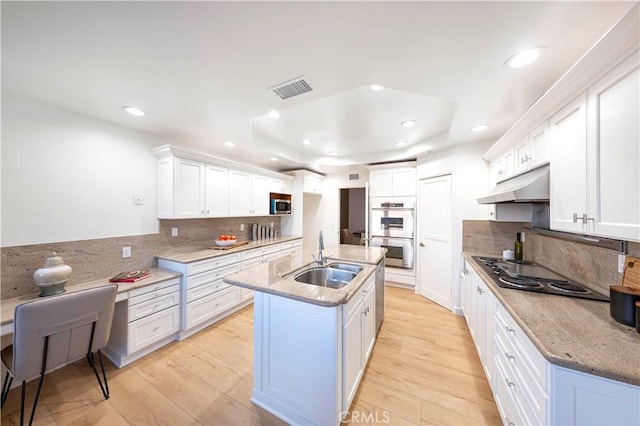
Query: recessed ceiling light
[(134, 111), (273, 159), (376, 87), (525, 57), (334, 152), (480, 128), (408, 123), (274, 114), (306, 142), (401, 143), (229, 144)]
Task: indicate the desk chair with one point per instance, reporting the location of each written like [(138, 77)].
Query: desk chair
[(54, 331)]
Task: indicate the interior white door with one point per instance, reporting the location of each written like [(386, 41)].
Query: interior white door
[(435, 240)]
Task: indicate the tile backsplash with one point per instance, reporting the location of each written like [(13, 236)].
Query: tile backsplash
[(101, 258), (592, 266)]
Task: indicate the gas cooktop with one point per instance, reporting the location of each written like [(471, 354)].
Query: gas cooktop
[(529, 276)]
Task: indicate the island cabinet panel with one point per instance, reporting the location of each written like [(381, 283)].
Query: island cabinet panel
[(309, 359), (296, 363)]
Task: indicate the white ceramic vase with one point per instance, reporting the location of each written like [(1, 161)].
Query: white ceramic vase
[(53, 276)]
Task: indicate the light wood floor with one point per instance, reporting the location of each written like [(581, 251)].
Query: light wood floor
[(424, 370)]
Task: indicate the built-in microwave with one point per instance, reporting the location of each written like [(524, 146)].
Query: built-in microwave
[(280, 206)]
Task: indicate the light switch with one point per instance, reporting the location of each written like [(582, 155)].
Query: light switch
[(174, 232), (126, 252)]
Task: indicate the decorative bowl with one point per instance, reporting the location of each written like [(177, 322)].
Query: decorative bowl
[(225, 243)]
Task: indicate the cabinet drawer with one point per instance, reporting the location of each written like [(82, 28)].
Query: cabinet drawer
[(154, 305), (152, 288), (355, 303), (148, 330), (526, 389), (208, 307), (505, 399), (209, 276), (216, 262), (527, 350), (205, 290), (251, 254), (160, 292)]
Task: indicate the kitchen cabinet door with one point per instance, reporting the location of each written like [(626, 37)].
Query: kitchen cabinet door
[(379, 183), (403, 182), (613, 136), (353, 355), (260, 195), (240, 193), (189, 188), (523, 154), (568, 183), (216, 195), (539, 138), (369, 323)]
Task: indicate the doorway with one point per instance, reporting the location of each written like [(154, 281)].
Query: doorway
[(352, 215), (435, 240)]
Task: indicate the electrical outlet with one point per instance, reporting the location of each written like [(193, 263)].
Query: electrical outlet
[(272, 224), (137, 199), (126, 252), (174, 232), (242, 226), (522, 237), (621, 259)]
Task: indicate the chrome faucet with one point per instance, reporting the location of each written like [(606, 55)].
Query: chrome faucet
[(320, 259)]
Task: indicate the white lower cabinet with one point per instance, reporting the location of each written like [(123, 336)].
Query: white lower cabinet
[(529, 390), (309, 359), (358, 337), (148, 319), (206, 298)]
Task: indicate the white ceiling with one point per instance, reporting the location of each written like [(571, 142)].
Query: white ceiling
[(202, 69)]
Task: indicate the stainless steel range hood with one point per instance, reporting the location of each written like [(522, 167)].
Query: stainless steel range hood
[(529, 187)]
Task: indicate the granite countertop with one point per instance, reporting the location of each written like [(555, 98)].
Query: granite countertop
[(570, 332), (268, 277), (8, 306), (189, 254)]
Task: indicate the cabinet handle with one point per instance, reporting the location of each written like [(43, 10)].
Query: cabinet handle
[(421, 244), (156, 328), (155, 306), (479, 290), (509, 382), (584, 218), (508, 355), (509, 329), (509, 422), (525, 159)]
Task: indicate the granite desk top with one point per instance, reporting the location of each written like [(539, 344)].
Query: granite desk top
[(276, 276), (189, 254), (8, 306), (570, 332)]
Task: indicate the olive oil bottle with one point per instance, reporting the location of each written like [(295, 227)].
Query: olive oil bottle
[(518, 246)]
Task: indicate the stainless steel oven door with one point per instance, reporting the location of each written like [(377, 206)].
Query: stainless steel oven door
[(392, 222), (399, 251)]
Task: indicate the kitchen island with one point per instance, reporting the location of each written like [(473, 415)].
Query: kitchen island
[(311, 343)]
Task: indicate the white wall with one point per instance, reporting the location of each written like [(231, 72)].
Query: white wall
[(470, 180), (67, 177)]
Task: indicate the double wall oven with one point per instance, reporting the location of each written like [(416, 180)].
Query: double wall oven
[(392, 227)]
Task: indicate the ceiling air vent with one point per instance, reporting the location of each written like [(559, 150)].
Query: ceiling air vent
[(291, 88)]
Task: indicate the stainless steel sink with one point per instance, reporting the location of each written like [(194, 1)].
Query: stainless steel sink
[(346, 267), (326, 277)]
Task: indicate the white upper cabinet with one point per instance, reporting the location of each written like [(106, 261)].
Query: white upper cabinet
[(395, 182), (502, 167), (249, 194), (191, 189), (568, 189), (595, 154), (532, 150), (613, 153), (216, 196), (312, 184), (194, 185), (280, 186)]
